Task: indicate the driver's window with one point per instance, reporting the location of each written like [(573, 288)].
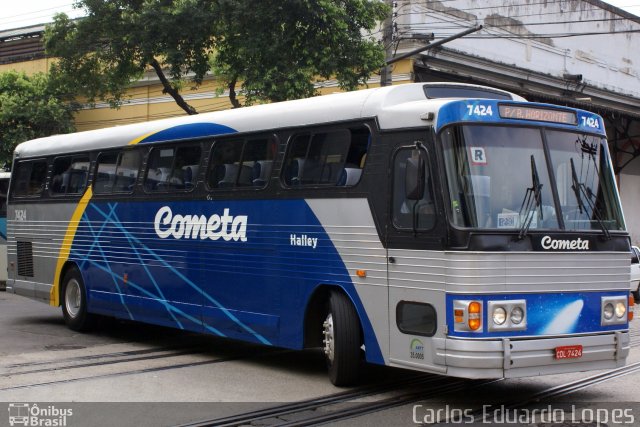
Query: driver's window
[(409, 214)]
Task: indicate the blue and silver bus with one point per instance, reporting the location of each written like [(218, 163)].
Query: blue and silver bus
[(445, 228)]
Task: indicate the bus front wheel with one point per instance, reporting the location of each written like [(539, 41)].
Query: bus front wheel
[(341, 340), (74, 302)]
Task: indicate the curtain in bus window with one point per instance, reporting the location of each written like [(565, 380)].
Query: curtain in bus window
[(105, 173), (127, 171)]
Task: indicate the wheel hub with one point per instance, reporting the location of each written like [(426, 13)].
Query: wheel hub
[(73, 298), (327, 342)]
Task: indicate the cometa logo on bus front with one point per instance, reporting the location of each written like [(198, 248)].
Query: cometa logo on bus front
[(557, 244), (200, 227)]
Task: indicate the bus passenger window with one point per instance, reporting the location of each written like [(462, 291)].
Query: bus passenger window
[(225, 170), (258, 155), (168, 166), (117, 172), (329, 158), (106, 173), (127, 171), (29, 179), (69, 175)]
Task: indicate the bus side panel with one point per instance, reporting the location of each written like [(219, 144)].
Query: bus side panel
[(132, 273), (39, 230), (240, 269), (349, 225)]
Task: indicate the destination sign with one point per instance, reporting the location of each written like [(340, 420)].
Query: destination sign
[(521, 112)]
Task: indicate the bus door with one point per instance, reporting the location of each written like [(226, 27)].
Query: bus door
[(415, 235)]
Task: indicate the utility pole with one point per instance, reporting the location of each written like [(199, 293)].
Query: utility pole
[(387, 40)]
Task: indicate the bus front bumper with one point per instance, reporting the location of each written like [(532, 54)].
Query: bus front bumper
[(511, 358)]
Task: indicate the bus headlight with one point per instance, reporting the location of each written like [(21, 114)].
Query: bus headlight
[(620, 310), (614, 310), (508, 315), (499, 315), (517, 315), (608, 311)]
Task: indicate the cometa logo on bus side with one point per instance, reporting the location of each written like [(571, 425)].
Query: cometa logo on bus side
[(223, 226)]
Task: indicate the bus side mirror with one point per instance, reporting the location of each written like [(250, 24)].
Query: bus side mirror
[(414, 181)]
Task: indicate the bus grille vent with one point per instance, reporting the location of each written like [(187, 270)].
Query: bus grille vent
[(25, 259)]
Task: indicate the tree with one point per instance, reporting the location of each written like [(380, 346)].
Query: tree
[(275, 48), (279, 49), (102, 54), (31, 107)]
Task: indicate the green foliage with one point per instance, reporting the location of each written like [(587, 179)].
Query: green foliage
[(31, 107), (102, 54), (278, 49)]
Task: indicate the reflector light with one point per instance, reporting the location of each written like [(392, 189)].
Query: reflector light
[(361, 273)]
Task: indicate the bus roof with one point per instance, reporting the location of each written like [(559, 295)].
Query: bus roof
[(388, 104)]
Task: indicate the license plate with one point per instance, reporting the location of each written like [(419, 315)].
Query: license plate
[(569, 352)]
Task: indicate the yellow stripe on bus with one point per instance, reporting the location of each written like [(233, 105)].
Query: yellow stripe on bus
[(143, 137), (65, 249)]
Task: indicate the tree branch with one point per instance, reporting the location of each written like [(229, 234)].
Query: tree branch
[(171, 90), (232, 92)]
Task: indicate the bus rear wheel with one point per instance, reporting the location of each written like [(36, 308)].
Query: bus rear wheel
[(341, 340), (74, 302)]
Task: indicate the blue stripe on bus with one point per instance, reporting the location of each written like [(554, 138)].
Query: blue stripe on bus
[(188, 131), (562, 313), (254, 290)]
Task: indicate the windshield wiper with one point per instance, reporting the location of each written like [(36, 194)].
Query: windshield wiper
[(579, 189), (532, 197)]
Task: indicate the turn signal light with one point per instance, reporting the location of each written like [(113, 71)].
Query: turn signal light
[(467, 316), (475, 320), (475, 307), (631, 303)]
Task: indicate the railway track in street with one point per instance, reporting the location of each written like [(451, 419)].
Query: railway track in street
[(346, 405)]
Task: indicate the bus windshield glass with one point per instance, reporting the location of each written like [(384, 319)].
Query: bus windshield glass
[(499, 178)]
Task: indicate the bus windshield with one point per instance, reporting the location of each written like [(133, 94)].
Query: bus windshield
[(499, 178)]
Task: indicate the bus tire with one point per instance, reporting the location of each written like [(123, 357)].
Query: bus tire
[(341, 340), (74, 302)]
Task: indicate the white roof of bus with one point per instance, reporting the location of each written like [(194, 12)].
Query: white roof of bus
[(389, 104)]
